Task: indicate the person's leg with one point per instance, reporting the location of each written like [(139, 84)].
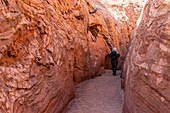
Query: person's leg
[(115, 67)]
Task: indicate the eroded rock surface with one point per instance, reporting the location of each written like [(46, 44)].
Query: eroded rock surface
[(35, 68), (48, 46), (126, 13), (146, 70)]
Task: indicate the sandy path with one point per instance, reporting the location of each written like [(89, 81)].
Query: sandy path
[(100, 95)]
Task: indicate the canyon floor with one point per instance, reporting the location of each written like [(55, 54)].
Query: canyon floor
[(99, 95)]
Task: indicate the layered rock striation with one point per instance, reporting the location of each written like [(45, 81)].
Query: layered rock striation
[(44, 47), (35, 68), (126, 13), (48, 46), (146, 68)]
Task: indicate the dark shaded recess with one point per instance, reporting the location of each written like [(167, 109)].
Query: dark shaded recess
[(93, 11), (80, 17), (94, 39), (94, 29), (107, 42), (48, 2), (9, 54), (5, 1), (69, 39), (59, 1), (74, 79)]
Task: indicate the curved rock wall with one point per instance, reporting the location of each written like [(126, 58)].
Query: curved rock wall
[(126, 13), (48, 46), (45, 46), (146, 69), (36, 58)]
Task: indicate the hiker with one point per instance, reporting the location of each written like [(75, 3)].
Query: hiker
[(114, 55)]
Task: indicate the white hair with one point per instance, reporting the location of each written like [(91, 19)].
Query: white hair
[(114, 49)]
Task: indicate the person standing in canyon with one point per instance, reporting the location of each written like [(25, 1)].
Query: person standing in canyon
[(114, 55)]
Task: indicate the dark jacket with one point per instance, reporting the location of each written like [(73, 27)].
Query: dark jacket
[(114, 55)]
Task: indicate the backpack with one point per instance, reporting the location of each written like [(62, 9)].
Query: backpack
[(114, 55)]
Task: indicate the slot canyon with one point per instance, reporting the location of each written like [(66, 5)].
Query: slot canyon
[(49, 47)]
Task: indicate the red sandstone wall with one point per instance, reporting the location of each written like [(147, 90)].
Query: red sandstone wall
[(146, 70), (46, 45), (126, 14), (36, 58)]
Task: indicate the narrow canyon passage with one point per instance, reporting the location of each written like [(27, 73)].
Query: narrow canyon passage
[(49, 48), (100, 95)]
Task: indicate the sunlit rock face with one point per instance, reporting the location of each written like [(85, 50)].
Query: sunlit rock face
[(146, 70), (126, 13)]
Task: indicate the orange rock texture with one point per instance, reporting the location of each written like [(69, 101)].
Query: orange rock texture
[(35, 68), (48, 46), (146, 71), (126, 14)]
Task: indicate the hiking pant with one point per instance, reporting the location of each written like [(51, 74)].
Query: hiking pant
[(114, 66)]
